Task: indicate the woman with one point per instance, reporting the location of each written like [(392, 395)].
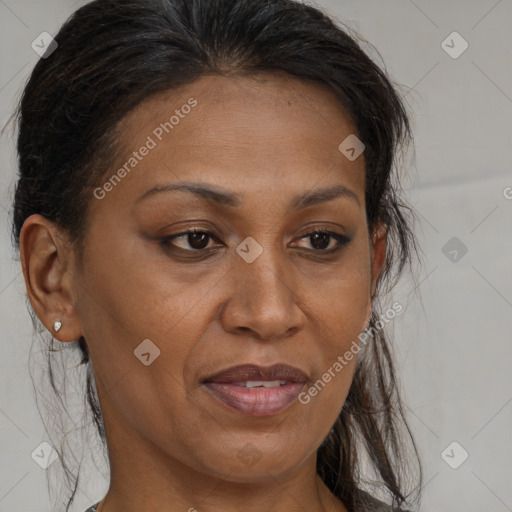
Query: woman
[(207, 212)]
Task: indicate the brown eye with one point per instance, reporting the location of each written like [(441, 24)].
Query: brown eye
[(198, 240), (321, 241), (189, 240)]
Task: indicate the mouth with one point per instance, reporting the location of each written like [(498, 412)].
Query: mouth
[(257, 391)]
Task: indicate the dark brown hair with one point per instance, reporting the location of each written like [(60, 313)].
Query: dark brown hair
[(114, 54)]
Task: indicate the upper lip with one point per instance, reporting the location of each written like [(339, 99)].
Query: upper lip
[(252, 372)]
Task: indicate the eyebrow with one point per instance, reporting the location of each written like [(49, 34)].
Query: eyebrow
[(225, 198)]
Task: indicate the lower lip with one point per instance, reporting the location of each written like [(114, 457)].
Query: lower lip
[(256, 401)]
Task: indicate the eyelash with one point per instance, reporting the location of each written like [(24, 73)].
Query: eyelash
[(341, 240)]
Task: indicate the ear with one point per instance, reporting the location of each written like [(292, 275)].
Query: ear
[(46, 259), (378, 245), (378, 256)]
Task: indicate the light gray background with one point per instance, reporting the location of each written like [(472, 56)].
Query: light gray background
[(454, 346)]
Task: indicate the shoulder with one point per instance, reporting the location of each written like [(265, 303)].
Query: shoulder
[(374, 505)]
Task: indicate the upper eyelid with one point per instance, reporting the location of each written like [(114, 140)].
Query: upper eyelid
[(213, 235)]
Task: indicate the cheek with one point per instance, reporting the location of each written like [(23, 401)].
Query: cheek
[(341, 302), (342, 321), (131, 308), (341, 307), (136, 295), (140, 337)]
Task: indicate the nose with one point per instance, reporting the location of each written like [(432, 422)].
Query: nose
[(263, 299)]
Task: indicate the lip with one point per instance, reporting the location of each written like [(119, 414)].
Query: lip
[(245, 372), (261, 401)]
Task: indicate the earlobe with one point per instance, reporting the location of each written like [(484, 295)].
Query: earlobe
[(45, 256)]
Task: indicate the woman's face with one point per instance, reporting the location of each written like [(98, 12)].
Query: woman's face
[(162, 315)]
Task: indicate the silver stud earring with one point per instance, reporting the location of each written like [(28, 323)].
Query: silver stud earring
[(57, 325)]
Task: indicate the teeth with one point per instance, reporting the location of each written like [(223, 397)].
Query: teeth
[(262, 383), (273, 383)]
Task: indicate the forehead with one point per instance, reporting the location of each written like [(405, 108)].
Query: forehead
[(242, 131), (282, 93)]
